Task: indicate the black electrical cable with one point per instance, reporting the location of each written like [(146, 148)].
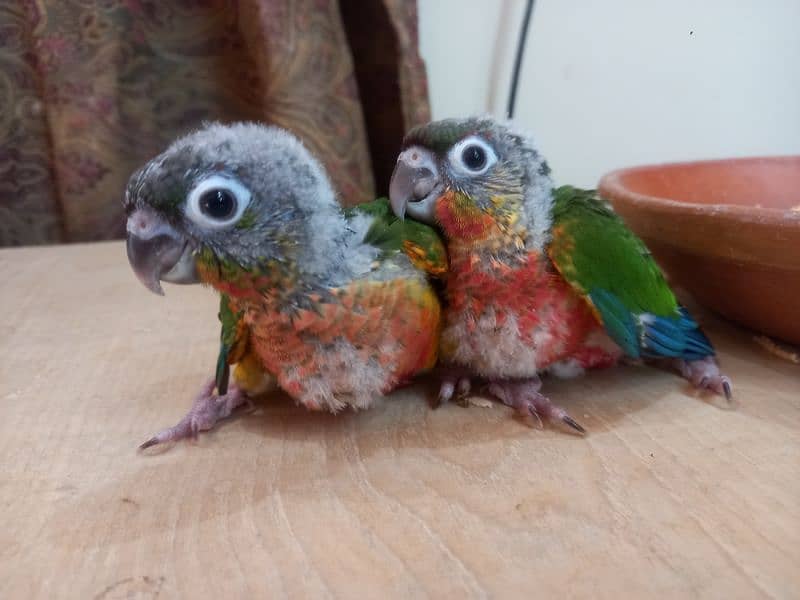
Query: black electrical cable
[(523, 36)]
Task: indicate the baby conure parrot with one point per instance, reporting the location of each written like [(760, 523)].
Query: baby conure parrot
[(333, 305), (541, 278)]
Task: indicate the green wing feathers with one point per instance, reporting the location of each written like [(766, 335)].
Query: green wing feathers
[(593, 248), (611, 267), (233, 340), (419, 242)]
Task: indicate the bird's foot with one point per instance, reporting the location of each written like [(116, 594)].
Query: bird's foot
[(704, 374), (207, 409), (454, 383), (525, 398)]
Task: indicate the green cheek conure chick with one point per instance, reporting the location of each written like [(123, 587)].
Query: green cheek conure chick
[(334, 305), (540, 278)]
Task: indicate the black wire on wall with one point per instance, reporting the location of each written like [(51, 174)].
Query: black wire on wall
[(523, 36)]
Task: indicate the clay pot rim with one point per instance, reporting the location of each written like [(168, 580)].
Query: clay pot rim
[(612, 184)]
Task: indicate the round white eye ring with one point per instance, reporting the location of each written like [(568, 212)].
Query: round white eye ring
[(217, 182), (456, 156)]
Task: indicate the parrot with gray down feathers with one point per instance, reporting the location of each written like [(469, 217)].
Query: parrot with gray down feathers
[(333, 306), (540, 278)]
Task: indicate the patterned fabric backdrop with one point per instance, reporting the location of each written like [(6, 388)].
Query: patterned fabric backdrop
[(89, 89)]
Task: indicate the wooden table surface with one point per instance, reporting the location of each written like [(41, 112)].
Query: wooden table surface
[(668, 495)]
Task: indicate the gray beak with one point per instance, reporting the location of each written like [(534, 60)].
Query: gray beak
[(157, 252), (410, 191)]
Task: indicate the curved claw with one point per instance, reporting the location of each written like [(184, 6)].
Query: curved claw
[(153, 441), (574, 424), (726, 387), (183, 429), (534, 413)]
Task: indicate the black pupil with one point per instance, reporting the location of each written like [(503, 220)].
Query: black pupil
[(474, 157), (218, 204)]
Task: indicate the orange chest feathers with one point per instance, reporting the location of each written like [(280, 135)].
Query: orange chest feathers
[(394, 324)]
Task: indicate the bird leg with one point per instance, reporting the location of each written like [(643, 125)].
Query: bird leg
[(704, 374), (207, 409), (454, 382), (524, 396)]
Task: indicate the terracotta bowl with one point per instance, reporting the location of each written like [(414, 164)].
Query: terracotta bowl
[(728, 231)]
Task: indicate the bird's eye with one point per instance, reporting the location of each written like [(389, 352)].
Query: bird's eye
[(472, 156), (217, 201), (218, 204)]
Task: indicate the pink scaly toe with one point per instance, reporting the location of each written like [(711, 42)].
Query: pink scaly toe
[(704, 374), (525, 398), (207, 409)]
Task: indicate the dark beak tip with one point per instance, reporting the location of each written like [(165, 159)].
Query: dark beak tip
[(150, 281), (144, 260)]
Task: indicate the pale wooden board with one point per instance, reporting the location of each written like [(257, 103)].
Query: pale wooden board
[(668, 496)]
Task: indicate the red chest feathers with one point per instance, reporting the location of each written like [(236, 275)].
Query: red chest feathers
[(523, 298)]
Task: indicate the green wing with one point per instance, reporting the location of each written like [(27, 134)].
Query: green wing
[(604, 261), (418, 241), (233, 338)]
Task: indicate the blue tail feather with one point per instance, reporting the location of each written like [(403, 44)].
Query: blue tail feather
[(650, 335), (676, 337)]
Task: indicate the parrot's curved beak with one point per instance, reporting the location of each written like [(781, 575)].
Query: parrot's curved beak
[(415, 185), (157, 252)]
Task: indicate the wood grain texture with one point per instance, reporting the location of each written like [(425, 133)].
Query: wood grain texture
[(668, 496)]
